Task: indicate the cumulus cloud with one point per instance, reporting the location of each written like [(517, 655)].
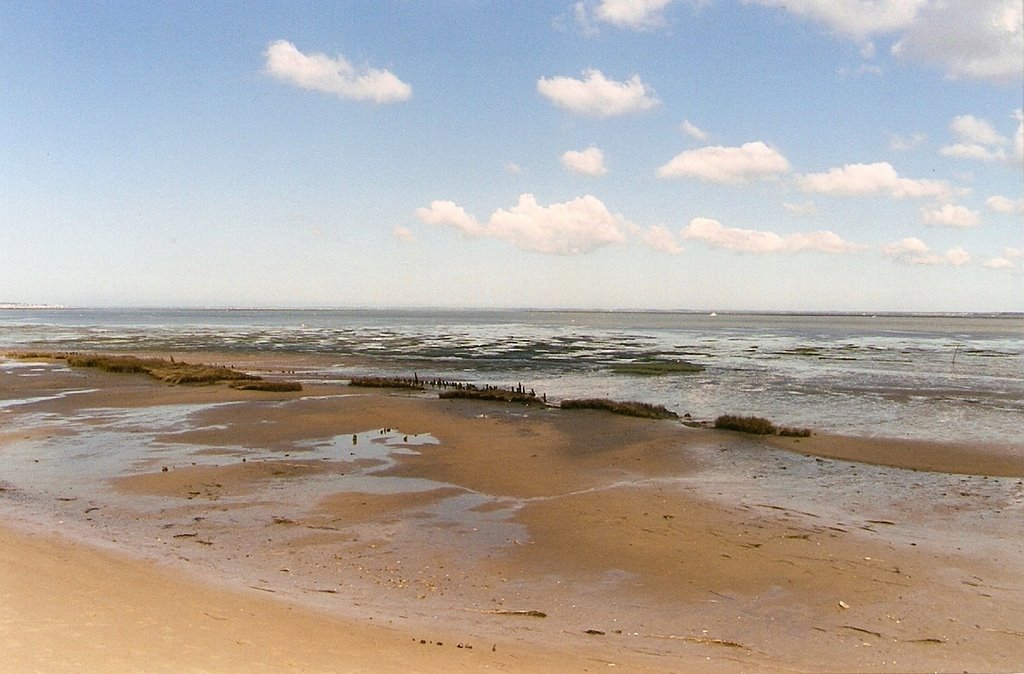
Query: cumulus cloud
[(911, 250), (804, 210), (957, 257), (1001, 204), (854, 18), (975, 39), (1008, 260), (971, 129), (693, 131), (1018, 138), (596, 95), (627, 14), (949, 215), (998, 263), (727, 165), (915, 251), (980, 39), (903, 143), (660, 238), (716, 234), (403, 234), (589, 162), (319, 72), (869, 179), (973, 151), (571, 228), (979, 140)]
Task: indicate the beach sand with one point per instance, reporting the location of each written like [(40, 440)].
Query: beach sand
[(341, 529)]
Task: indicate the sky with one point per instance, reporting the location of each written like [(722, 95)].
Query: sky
[(783, 155)]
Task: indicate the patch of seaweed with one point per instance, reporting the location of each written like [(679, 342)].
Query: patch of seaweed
[(630, 409), (655, 368)]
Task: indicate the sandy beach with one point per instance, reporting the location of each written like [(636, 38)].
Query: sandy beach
[(343, 529)]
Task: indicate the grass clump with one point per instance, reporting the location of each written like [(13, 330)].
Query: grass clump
[(170, 371), (654, 368), (752, 425), (630, 409), (758, 426)]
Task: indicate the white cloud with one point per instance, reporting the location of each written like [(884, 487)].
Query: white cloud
[(715, 234), (513, 168), (868, 179), (1001, 204), (403, 234), (957, 257), (629, 14), (1018, 138), (319, 72), (998, 263), (949, 215), (450, 213), (805, 210), (728, 165), (660, 238), (589, 162), (854, 18), (910, 249), (901, 143), (915, 251), (571, 228), (979, 140), (596, 95), (693, 131), (973, 151), (975, 39), (971, 129), (1005, 261), (980, 39)]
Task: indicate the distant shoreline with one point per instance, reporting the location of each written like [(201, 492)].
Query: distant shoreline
[(9, 306)]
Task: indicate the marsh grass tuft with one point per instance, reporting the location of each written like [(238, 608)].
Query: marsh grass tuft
[(630, 409), (758, 426), (388, 382), (264, 385), (470, 392), (167, 371)]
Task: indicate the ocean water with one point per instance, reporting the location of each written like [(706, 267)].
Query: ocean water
[(938, 377)]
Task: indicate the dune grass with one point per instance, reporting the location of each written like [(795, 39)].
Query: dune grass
[(630, 409)]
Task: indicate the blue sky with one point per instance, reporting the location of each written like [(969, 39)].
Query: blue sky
[(854, 155)]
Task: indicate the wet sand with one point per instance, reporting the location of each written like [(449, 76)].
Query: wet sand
[(339, 529)]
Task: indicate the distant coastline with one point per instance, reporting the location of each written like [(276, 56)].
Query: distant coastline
[(538, 310), (20, 305)]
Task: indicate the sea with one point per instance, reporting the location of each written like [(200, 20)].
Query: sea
[(947, 377)]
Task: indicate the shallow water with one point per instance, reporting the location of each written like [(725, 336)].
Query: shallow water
[(949, 377)]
